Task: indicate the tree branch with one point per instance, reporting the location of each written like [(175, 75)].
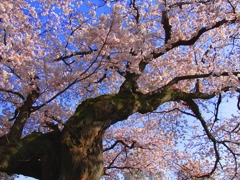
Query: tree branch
[(78, 80), (175, 109), (180, 4), (159, 51), (130, 83), (137, 16), (196, 111), (187, 77), (133, 145), (13, 92), (27, 156), (217, 107), (75, 54), (166, 25), (238, 103), (24, 113)]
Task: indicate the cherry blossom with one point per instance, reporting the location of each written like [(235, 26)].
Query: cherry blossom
[(156, 74)]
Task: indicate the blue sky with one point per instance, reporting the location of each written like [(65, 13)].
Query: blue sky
[(226, 110)]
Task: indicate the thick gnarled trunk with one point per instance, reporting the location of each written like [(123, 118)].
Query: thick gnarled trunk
[(82, 155), (56, 155), (76, 152)]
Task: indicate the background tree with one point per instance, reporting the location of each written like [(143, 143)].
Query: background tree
[(100, 88)]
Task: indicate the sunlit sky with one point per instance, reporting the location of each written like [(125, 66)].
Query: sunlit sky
[(227, 108)]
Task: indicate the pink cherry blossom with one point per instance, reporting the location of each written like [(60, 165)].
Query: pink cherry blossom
[(179, 61)]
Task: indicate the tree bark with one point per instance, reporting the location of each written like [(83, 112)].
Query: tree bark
[(82, 136), (82, 156), (76, 152), (15, 132)]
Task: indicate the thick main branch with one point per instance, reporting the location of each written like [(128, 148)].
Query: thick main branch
[(24, 113), (79, 145), (36, 155)]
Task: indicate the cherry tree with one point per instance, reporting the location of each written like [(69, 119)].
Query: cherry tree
[(102, 88)]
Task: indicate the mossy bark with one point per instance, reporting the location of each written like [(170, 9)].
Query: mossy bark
[(76, 152), (37, 155), (81, 150), (82, 156)]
